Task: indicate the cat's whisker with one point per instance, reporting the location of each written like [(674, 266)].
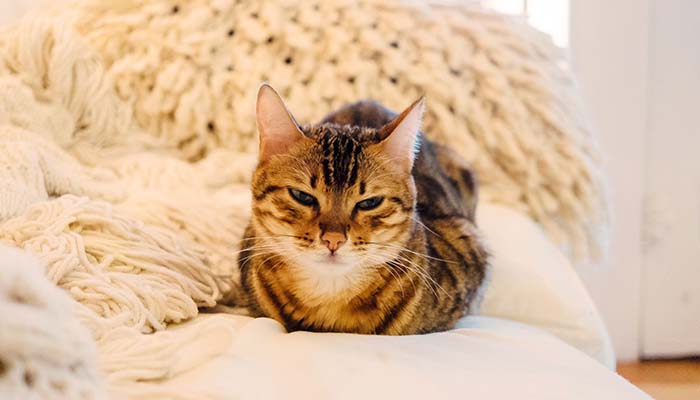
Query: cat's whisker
[(254, 245), (272, 257), (277, 265), (426, 275), (257, 237), (415, 268), (419, 222), (262, 245), (292, 260), (285, 260), (394, 274), (402, 248), (420, 271), (397, 279), (256, 254), (414, 263), (412, 271), (251, 238), (254, 248)]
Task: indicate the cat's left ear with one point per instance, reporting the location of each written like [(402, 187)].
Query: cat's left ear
[(400, 135), (277, 127)]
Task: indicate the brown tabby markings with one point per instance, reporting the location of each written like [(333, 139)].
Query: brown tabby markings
[(425, 223)]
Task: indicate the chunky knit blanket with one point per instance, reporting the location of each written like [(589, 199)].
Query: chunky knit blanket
[(127, 138)]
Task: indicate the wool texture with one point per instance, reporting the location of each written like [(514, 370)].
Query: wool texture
[(127, 139), (45, 353)]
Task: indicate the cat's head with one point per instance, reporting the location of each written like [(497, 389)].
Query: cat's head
[(333, 200)]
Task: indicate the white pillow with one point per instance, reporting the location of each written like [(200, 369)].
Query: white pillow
[(483, 358), (534, 283)]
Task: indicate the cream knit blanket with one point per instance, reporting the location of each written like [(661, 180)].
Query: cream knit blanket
[(127, 138)]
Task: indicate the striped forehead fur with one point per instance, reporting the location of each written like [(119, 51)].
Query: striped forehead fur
[(342, 150)]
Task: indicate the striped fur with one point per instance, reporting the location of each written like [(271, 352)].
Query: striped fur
[(415, 264)]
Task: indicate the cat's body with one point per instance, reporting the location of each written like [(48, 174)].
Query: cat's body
[(413, 261)]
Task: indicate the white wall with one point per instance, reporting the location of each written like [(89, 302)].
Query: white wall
[(638, 62), (609, 48), (670, 324)]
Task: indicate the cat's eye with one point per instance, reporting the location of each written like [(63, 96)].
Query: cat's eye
[(369, 204), (302, 197)]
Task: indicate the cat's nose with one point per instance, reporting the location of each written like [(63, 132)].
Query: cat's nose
[(333, 240)]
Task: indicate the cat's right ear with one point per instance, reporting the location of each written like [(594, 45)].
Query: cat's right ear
[(277, 128)]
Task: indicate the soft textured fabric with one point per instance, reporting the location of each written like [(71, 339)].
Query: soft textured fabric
[(484, 358), (533, 283), (44, 351)]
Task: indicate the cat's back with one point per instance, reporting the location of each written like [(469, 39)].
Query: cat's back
[(367, 113)]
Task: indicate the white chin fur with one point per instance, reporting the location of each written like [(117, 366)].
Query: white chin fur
[(321, 276), (324, 275)]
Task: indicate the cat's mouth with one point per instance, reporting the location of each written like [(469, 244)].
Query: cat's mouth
[(324, 262), (333, 262), (333, 259)]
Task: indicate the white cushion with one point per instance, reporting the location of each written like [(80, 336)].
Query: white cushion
[(484, 358), (533, 282)]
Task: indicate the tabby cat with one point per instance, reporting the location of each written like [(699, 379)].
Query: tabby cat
[(359, 224)]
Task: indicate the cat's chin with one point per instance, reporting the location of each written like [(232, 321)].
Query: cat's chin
[(335, 263), (323, 276), (325, 267)]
